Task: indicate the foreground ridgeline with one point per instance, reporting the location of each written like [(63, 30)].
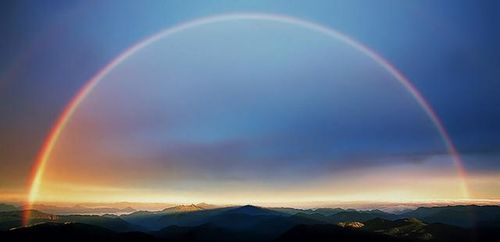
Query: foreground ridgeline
[(251, 223)]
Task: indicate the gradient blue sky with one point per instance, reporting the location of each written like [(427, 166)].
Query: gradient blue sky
[(449, 49)]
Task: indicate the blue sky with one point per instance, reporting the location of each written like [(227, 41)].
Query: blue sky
[(448, 49)]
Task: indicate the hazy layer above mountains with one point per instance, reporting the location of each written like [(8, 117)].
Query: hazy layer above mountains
[(129, 207)]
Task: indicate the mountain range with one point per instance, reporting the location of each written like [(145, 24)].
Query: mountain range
[(251, 223)]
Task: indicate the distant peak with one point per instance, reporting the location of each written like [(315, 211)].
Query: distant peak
[(253, 210), (249, 206), (206, 205), (183, 208)]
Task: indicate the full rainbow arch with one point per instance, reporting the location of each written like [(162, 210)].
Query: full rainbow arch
[(38, 170)]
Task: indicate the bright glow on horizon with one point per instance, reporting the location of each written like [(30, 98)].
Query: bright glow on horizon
[(395, 190)]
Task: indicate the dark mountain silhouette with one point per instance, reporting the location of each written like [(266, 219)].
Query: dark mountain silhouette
[(229, 218), (249, 223), (14, 219), (410, 228), (71, 232), (237, 223), (464, 216), (160, 219), (417, 230), (185, 215), (346, 216), (328, 211), (253, 210), (7, 207), (315, 217), (206, 232), (291, 211), (330, 232), (385, 230), (112, 223)]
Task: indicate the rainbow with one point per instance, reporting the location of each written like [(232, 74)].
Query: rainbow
[(43, 156)]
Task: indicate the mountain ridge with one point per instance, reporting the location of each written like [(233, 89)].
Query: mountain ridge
[(253, 223)]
